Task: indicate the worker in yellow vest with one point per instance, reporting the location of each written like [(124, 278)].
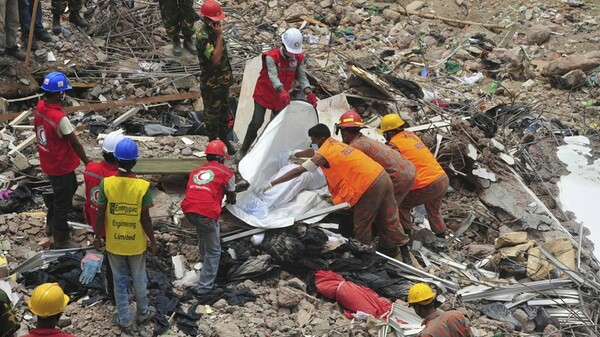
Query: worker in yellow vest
[(431, 182), (124, 202), (355, 178)]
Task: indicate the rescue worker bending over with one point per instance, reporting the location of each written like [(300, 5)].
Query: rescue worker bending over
[(355, 178), (280, 67), (401, 170), (431, 182)]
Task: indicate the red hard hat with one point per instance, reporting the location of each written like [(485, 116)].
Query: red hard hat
[(217, 148), (350, 119), (212, 10)]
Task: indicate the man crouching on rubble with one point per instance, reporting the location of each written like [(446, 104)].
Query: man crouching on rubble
[(355, 178), (60, 152), (202, 207), (126, 201), (437, 322)]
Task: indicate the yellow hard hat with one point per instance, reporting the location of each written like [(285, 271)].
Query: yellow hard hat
[(48, 300), (390, 122), (420, 293)]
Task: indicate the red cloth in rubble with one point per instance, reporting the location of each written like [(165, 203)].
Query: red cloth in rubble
[(351, 296)]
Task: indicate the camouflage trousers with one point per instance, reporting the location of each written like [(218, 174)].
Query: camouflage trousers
[(216, 110), (9, 323), (178, 16), (59, 6), (431, 197), (377, 208)]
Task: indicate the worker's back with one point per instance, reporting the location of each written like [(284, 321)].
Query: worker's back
[(449, 323)]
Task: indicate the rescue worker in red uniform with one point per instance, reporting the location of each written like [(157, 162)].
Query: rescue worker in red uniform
[(355, 178), (431, 182), (202, 207), (401, 170), (60, 152), (280, 68), (437, 322)]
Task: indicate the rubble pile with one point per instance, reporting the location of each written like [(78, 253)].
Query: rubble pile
[(496, 88)]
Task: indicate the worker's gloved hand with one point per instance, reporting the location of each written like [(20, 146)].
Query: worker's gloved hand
[(284, 99), (90, 268), (265, 188), (312, 99)]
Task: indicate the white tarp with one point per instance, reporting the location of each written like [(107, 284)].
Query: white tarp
[(245, 108), (286, 132)]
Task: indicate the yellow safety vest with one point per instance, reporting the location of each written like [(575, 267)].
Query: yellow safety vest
[(124, 232)]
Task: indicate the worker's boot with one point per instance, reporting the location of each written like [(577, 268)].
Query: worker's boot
[(405, 254), (77, 20), (62, 240), (43, 35), (56, 27), (188, 44), (230, 148), (177, 51)]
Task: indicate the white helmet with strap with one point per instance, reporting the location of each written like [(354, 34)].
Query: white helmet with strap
[(292, 40)]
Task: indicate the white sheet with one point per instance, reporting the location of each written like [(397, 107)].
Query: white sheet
[(286, 132), (281, 194)]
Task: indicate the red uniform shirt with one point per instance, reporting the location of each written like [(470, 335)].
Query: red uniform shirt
[(287, 68), (205, 189), (47, 333), (57, 156), (92, 176)]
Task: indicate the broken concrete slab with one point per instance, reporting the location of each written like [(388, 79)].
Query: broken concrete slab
[(510, 239)]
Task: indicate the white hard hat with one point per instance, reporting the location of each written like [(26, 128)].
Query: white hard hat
[(110, 142), (292, 40)]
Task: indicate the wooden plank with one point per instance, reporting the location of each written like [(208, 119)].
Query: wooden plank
[(136, 138), (126, 116), (24, 115), (167, 165), (23, 145), (116, 104), (134, 101)]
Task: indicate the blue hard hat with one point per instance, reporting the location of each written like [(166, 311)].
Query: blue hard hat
[(56, 82), (127, 149)]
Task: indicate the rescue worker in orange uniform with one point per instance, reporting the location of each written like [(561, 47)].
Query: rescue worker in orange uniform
[(281, 67), (431, 182), (355, 178), (401, 170), (438, 323)]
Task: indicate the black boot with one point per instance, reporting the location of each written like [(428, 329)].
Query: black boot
[(77, 20), (177, 51), (34, 44), (16, 53), (56, 27), (188, 44), (62, 239), (43, 35)]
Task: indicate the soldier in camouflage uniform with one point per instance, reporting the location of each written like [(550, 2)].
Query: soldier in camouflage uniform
[(215, 72), (178, 16), (8, 321), (58, 8)]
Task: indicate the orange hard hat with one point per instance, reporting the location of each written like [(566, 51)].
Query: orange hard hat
[(350, 119), (217, 148), (212, 10)]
